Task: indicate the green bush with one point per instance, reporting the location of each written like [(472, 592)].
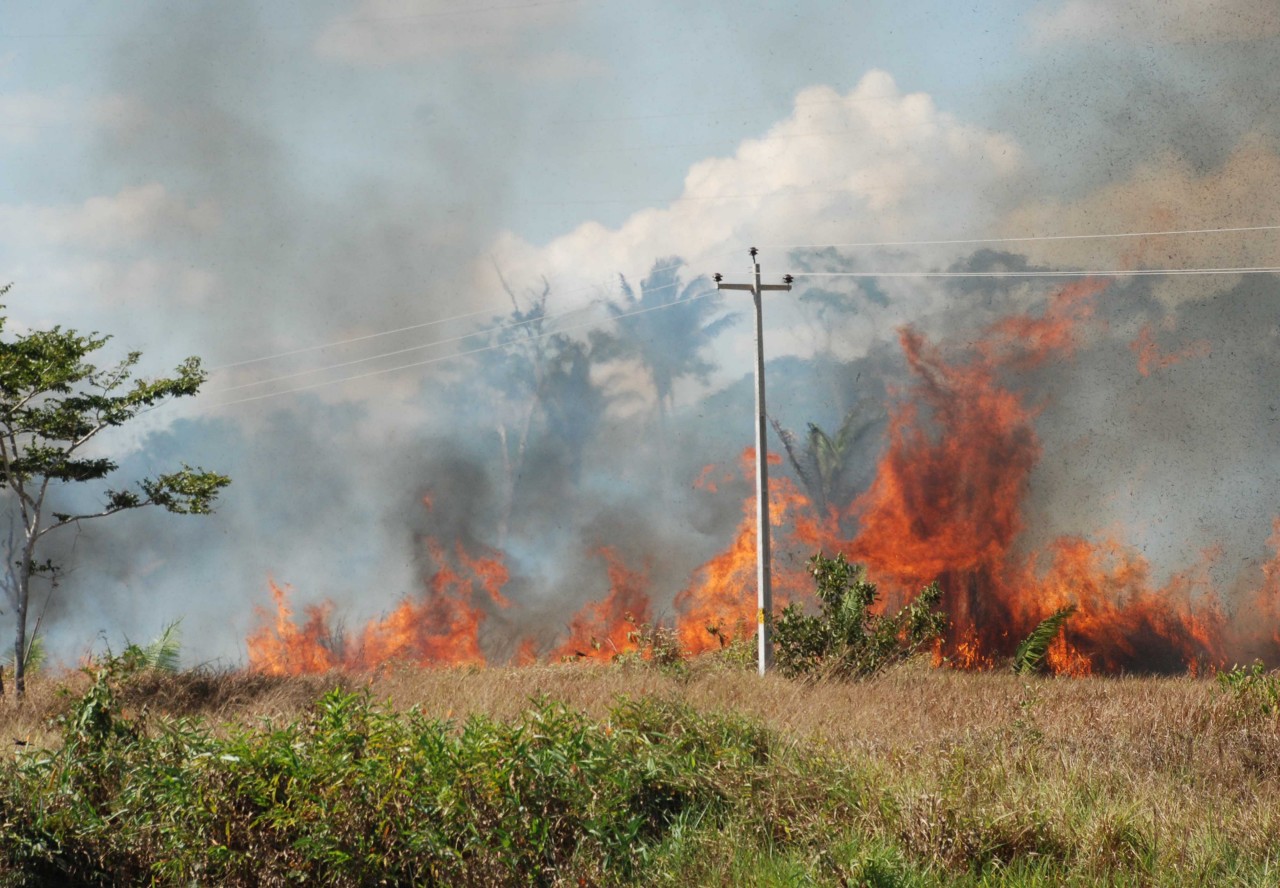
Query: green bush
[(353, 795), (847, 638), (1256, 691)]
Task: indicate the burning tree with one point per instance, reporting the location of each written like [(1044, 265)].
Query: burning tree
[(53, 404)]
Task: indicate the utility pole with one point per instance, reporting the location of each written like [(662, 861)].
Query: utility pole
[(764, 587)]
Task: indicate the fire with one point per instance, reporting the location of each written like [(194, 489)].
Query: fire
[(280, 647), (1150, 357), (603, 629), (720, 600), (946, 503), (440, 627)]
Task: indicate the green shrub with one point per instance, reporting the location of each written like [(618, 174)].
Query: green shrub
[(1255, 690), (353, 795), (847, 638)]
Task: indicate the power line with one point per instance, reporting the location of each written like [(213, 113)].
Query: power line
[(337, 342), (399, 351), (1026, 238), (544, 334), (462, 354), (381, 333), (1133, 272), (482, 332)]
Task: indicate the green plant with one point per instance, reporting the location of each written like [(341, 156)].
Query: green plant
[(1030, 653), (165, 650), (1255, 690), (847, 638)]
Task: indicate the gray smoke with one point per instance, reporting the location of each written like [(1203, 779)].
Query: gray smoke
[(329, 497)]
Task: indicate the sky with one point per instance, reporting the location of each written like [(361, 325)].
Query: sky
[(310, 195)]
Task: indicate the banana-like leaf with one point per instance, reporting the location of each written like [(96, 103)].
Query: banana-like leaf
[(1031, 652)]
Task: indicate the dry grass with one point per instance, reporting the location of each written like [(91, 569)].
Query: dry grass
[(1166, 780)]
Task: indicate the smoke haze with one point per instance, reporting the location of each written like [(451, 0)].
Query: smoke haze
[(238, 181)]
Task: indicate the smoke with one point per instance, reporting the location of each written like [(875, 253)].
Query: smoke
[(220, 233)]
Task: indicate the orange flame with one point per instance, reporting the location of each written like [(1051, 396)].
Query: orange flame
[(1150, 357), (946, 503), (721, 597), (604, 629), (441, 627), (281, 647)]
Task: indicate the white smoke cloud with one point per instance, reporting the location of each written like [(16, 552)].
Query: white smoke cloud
[(870, 163), (1159, 21)]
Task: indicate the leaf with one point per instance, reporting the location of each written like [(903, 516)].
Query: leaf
[(165, 651), (1031, 652)]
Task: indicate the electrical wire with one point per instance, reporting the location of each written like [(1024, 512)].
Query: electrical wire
[(482, 332), (368, 336), (1024, 239), (1133, 272), (462, 354), (337, 342), (399, 351)]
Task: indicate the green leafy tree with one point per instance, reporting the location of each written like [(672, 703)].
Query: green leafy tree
[(53, 405)]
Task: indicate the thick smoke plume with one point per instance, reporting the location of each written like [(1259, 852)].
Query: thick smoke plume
[(586, 449)]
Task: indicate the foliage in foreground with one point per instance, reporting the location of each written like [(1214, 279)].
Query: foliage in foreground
[(1254, 690), (990, 780), (1031, 651), (353, 795), (848, 639)]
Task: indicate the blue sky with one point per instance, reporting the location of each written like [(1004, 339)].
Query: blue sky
[(239, 179)]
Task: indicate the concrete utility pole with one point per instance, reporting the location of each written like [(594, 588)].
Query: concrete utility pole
[(764, 587)]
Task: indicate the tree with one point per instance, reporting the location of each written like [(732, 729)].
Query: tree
[(669, 343), (825, 464), (536, 373), (53, 403)]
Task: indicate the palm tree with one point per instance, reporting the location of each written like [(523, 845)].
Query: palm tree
[(668, 328), (824, 467)]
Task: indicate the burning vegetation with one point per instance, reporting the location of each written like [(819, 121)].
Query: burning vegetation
[(947, 502)]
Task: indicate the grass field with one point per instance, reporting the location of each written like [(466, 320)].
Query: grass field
[(709, 775)]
